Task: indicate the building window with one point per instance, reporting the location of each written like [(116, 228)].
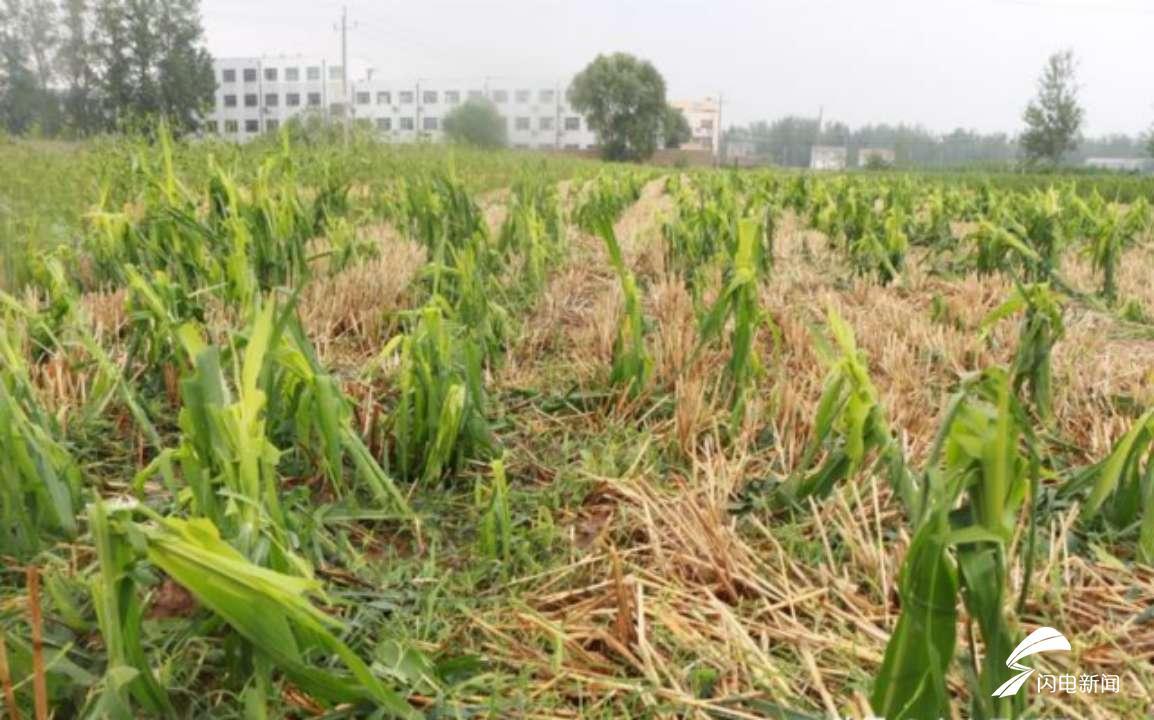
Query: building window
[(313, 73), (230, 126), (545, 123), (572, 123), (364, 98), (292, 74), (406, 123), (384, 124), (545, 96), (522, 96), (314, 99), (271, 100), (292, 99), (230, 100), (521, 123), (228, 76), (452, 97), (476, 94), (429, 97), (384, 98), (429, 123), (252, 126), (250, 74), (406, 97), (500, 96), (335, 72), (270, 74), (271, 124), (211, 126)]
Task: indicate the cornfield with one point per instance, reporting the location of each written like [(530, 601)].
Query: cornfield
[(359, 431)]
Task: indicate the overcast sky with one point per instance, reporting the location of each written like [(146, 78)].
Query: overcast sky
[(941, 63)]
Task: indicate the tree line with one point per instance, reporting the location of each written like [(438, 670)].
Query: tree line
[(1052, 134), (80, 67)]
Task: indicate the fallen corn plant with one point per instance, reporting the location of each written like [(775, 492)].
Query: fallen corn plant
[(738, 304), (981, 470), (849, 427), (1121, 487), (271, 611), (439, 419), (40, 482), (1041, 328), (632, 364)]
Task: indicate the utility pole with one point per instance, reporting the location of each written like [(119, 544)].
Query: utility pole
[(345, 69), (717, 133)]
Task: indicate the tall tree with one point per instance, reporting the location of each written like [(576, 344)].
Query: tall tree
[(185, 73), (110, 41), (21, 94), (75, 61), (152, 62), (623, 100), (675, 130), (1054, 117), (40, 30)]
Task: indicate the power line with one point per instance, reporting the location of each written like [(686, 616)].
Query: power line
[(1096, 7)]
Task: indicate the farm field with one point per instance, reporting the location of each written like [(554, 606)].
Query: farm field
[(302, 429)]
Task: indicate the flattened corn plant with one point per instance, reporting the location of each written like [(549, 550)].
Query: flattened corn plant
[(702, 229), (271, 614), (1110, 230), (533, 231), (850, 426), (632, 363), (439, 419), (607, 196), (737, 305), (1119, 490), (40, 482), (982, 469), (236, 240), (880, 251), (1041, 328), (229, 453)]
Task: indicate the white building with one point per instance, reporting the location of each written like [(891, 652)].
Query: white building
[(704, 118), (256, 95), (1120, 164), (828, 157), (884, 156), (536, 114)]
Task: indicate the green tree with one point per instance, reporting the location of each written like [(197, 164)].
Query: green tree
[(675, 128), (187, 79), (1054, 117), (27, 38), (476, 122), (152, 62), (75, 65), (623, 100), (110, 49)]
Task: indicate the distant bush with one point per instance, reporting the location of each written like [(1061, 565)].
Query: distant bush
[(476, 123)]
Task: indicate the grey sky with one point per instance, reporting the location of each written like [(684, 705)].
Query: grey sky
[(942, 63)]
